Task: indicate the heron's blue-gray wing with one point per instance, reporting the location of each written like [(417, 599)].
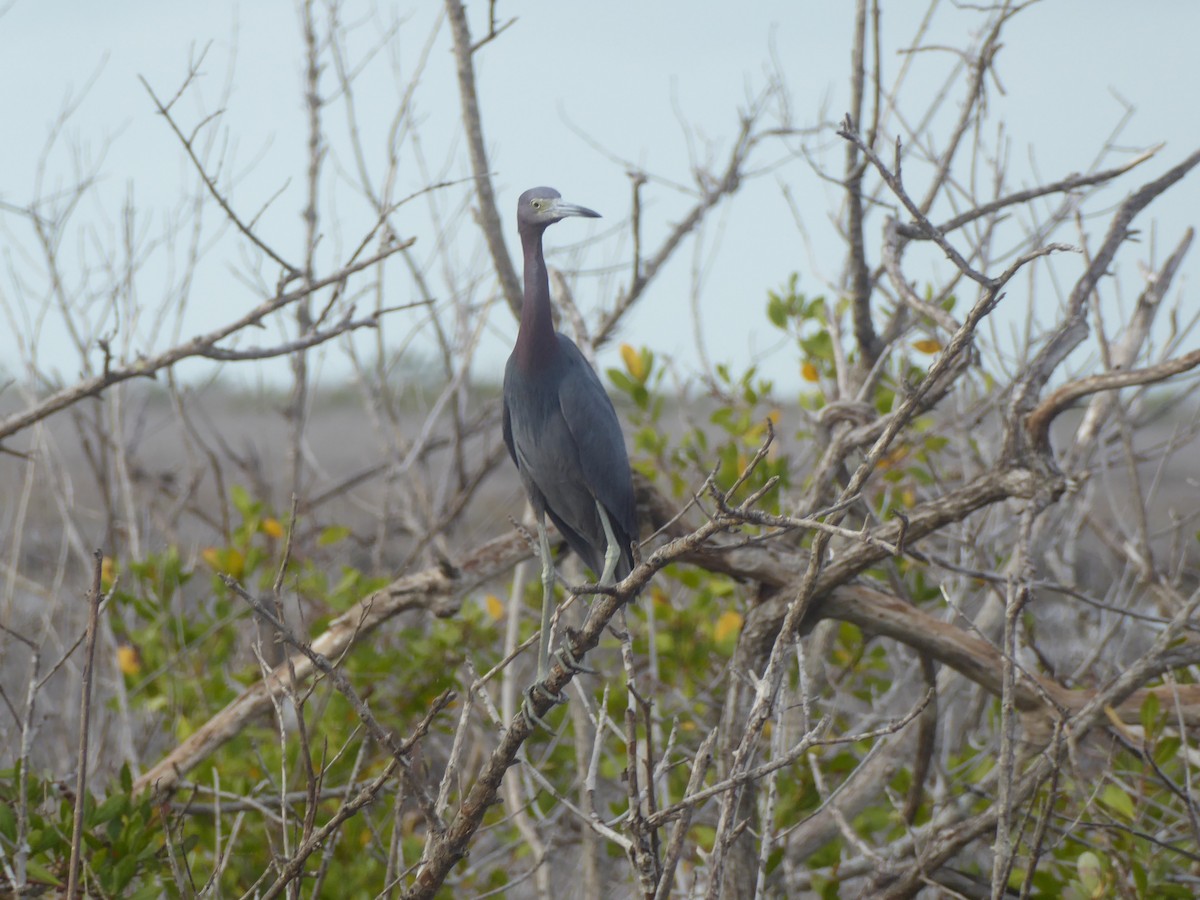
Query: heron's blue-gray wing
[(548, 459), (596, 430)]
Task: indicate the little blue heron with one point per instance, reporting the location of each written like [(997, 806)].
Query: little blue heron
[(561, 428)]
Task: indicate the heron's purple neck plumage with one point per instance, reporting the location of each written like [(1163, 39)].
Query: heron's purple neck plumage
[(536, 344)]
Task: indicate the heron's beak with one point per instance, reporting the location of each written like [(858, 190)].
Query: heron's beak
[(562, 209)]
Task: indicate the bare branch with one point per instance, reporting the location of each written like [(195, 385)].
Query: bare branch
[(290, 271), (85, 713), (858, 276), (1073, 328), (1062, 186), (489, 217), (1039, 420), (197, 346)]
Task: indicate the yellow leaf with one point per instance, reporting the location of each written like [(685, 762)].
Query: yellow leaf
[(108, 571), (226, 560), (129, 661), (635, 364), (928, 345), (271, 528), (727, 625), (809, 372), (894, 457), (495, 606), (909, 497), (775, 415), (235, 563)]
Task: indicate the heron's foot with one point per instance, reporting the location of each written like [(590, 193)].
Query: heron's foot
[(618, 633), (538, 690), (569, 660)]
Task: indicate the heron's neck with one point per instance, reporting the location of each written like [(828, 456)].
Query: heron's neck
[(536, 343)]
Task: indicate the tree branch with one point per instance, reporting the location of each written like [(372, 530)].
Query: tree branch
[(489, 217), (1073, 328), (435, 590), (197, 346), (1038, 422)]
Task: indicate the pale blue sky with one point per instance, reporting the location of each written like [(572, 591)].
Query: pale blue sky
[(623, 72)]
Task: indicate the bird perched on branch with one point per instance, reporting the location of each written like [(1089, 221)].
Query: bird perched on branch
[(561, 428)]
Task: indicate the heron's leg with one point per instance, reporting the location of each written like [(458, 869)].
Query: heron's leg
[(567, 658), (612, 550), (547, 601), (538, 688)]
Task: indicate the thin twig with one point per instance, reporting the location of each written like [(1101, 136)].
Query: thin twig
[(85, 715)]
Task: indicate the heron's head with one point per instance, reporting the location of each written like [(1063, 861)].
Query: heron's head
[(542, 206)]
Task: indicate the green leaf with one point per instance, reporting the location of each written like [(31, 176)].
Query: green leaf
[(1166, 749), (1117, 800), (777, 312), (936, 442), (620, 380), (110, 809), (37, 872), (333, 534), (8, 823), (123, 873), (1149, 713), (819, 346), (242, 501), (1140, 879), (1091, 871)]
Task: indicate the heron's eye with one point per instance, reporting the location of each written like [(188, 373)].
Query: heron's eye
[(536, 204)]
